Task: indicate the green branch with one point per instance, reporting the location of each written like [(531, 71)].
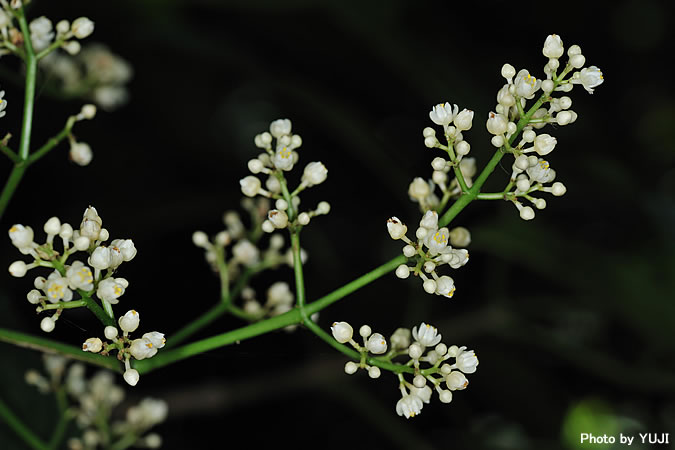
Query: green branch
[(19, 428), (49, 346)]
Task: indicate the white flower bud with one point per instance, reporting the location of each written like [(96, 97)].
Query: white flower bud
[(303, 218), (415, 350), (462, 148), (22, 237), (430, 142), (464, 120), (278, 218), (280, 127), (131, 376), (323, 208), (250, 186), (100, 258), (508, 71), (342, 332), (526, 213), (456, 381), (419, 189), (553, 46), (255, 165), (429, 286), (47, 324), (409, 251), (93, 345), (445, 286), (429, 266), (539, 203), (376, 344), (460, 237), (268, 227), (130, 321), (82, 27), (497, 123), (365, 331), (547, 86), (200, 239), (351, 367), (315, 173), (374, 372), (53, 226), (34, 296), (142, 348), (403, 271), (429, 220), (110, 332), (82, 243), (396, 228), (577, 61), (428, 132), (88, 111), (18, 269), (72, 47), (445, 396), (558, 189)]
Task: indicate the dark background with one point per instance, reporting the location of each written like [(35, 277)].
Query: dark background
[(571, 314)]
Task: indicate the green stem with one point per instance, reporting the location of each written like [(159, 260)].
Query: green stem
[(52, 142), (223, 272), (97, 310), (65, 305), (297, 270), (491, 196), (20, 429), (27, 123), (62, 425), (10, 154), (49, 346)]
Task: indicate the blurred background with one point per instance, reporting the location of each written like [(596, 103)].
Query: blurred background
[(571, 314)]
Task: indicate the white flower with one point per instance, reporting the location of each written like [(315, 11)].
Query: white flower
[(56, 288), (315, 173), (80, 153), (464, 120), (376, 344), (41, 33), (93, 345), (544, 144), (246, 253), (110, 332), (3, 102), (52, 226), (342, 332), (429, 220), (101, 258), (467, 361), (283, 158), (497, 124), (409, 406), (396, 228), (526, 85), (443, 114), (130, 321), (541, 172), (427, 335), (445, 286), (456, 381), (438, 241), (148, 413), (156, 338), (590, 78), (22, 237), (142, 348), (280, 127), (111, 289), (456, 258), (423, 393), (553, 46), (18, 269), (250, 186), (82, 27), (47, 324), (126, 247), (80, 276)]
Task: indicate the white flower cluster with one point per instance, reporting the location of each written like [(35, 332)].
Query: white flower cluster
[(279, 300), (281, 156), (3, 104), (92, 402), (67, 279), (531, 173), (424, 347), (434, 247), (95, 73), (142, 348), (43, 34)]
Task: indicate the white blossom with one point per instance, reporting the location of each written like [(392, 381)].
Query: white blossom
[(553, 46), (80, 276), (130, 321), (82, 27), (315, 173), (93, 345), (466, 360), (111, 289), (426, 335), (443, 114), (342, 332), (376, 344), (409, 406)]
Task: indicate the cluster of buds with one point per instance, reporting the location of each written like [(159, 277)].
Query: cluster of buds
[(423, 345), (531, 173), (142, 348), (44, 37), (434, 247), (3, 104), (280, 156), (92, 402), (57, 291)]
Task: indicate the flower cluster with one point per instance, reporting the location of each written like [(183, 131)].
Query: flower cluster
[(44, 36), (142, 348), (530, 172), (434, 247), (281, 156), (3, 104), (92, 402), (96, 73), (423, 345), (86, 278)]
